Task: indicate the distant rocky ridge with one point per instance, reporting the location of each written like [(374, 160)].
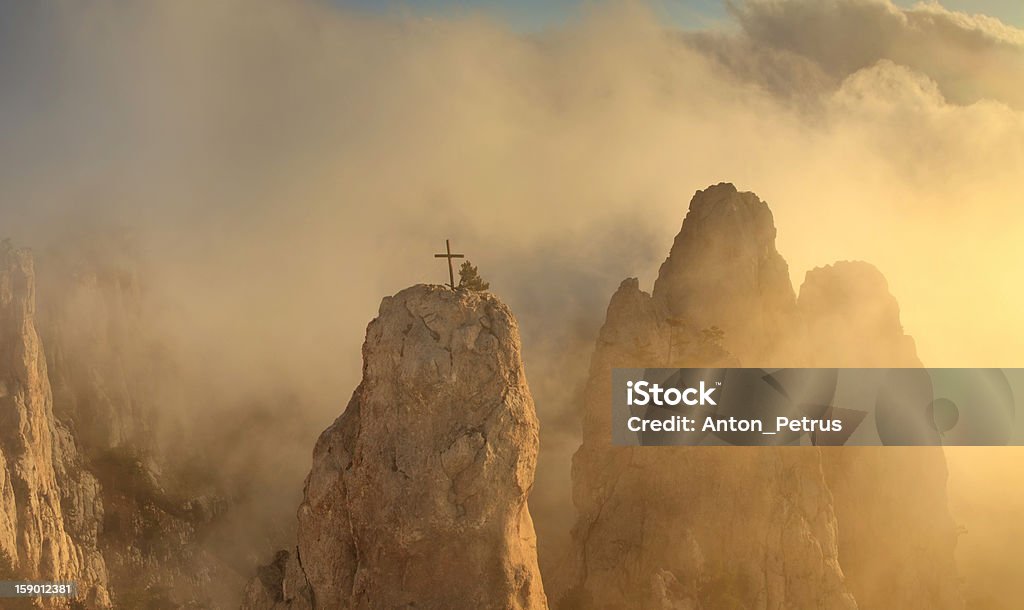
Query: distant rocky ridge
[(851, 320), (113, 386), (746, 527), (896, 536), (50, 507), (89, 495), (100, 359), (418, 493)]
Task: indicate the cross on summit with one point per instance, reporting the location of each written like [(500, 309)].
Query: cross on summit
[(448, 254)]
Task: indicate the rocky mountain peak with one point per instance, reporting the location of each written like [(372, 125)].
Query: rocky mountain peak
[(852, 319), (891, 503), (417, 495), (724, 270), (743, 526)]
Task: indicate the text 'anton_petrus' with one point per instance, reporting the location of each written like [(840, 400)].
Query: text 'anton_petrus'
[(644, 393)]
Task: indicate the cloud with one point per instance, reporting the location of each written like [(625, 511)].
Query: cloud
[(970, 57), (285, 165)]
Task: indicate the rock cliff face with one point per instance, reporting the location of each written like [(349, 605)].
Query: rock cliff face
[(97, 351), (702, 527), (115, 388), (417, 495), (50, 509), (82, 495), (723, 270), (896, 536), (746, 527), (852, 320)]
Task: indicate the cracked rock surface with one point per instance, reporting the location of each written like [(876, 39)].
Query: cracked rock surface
[(417, 495)]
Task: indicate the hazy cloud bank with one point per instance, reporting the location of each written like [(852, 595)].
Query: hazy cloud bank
[(285, 165)]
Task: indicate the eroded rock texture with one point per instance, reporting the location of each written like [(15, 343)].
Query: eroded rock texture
[(417, 495), (50, 508), (733, 527)]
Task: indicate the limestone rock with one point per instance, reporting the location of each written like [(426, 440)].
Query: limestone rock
[(896, 537), (682, 527), (723, 270), (852, 320), (417, 495), (693, 527), (100, 361), (117, 391), (50, 509)]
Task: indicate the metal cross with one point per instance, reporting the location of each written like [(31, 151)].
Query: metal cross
[(448, 254)]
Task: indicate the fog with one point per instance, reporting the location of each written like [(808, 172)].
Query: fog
[(282, 166)]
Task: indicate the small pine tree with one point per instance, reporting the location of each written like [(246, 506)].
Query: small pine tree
[(469, 278), (711, 347)]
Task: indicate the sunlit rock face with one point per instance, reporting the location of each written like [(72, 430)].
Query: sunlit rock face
[(417, 495), (738, 527), (50, 508)]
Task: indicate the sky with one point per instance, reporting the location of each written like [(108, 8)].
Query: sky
[(875, 133), (535, 14)]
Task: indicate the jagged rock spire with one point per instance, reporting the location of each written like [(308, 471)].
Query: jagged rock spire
[(417, 496), (724, 270)]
